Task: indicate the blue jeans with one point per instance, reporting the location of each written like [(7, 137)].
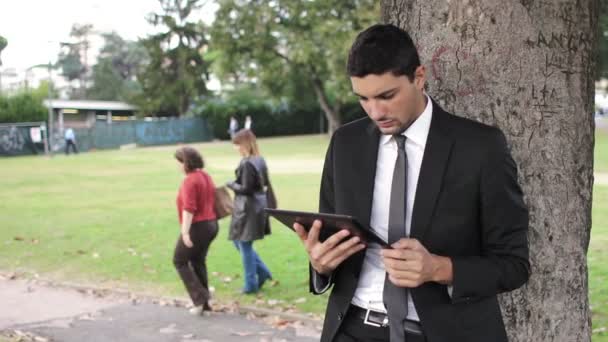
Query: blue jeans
[(256, 271)]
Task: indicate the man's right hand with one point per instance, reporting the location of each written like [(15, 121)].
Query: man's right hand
[(326, 256)]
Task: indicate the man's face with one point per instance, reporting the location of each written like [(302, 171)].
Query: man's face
[(393, 102)]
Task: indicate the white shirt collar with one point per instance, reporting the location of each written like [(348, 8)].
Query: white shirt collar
[(419, 129)]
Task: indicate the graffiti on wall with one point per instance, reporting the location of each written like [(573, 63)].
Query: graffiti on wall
[(11, 140)]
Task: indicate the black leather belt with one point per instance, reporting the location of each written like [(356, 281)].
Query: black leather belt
[(380, 319)]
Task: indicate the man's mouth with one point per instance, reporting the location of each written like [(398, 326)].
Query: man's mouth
[(386, 123)]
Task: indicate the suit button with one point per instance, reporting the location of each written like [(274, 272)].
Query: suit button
[(340, 316)]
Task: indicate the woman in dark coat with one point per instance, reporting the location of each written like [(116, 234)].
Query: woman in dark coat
[(249, 221)]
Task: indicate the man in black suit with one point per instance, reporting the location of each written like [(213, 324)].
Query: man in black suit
[(442, 189)]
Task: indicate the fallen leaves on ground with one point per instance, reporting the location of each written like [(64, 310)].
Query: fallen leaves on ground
[(33, 241), (9, 276), (273, 302), (170, 329), (23, 336)]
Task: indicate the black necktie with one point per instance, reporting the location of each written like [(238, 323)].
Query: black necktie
[(395, 298)]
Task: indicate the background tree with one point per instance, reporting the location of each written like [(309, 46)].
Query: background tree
[(24, 105), (115, 74), (602, 66), (176, 73), (3, 43), (73, 58), (286, 45), (527, 67)]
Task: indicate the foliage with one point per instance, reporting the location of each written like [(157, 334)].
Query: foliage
[(602, 59), (177, 72), (115, 74), (3, 44), (70, 64), (73, 58), (273, 43), (270, 117), (24, 106)]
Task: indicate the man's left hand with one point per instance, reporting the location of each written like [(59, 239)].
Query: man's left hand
[(409, 264)]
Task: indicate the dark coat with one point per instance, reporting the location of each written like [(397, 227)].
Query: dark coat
[(249, 221), (468, 207)]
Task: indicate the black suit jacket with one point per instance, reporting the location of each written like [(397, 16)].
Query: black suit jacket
[(468, 207)]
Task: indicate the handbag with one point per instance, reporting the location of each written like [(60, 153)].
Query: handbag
[(223, 202)]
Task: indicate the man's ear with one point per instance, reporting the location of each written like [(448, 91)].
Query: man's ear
[(420, 77)]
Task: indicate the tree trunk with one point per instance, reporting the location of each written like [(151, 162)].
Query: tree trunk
[(331, 114), (527, 67)]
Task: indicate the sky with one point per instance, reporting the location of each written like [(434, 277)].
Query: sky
[(34, 28)]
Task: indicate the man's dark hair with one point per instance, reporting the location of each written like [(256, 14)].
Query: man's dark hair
[(383, 48), (190, 157)]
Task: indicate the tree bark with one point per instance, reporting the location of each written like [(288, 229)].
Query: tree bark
[(526, 66), (331, 114)]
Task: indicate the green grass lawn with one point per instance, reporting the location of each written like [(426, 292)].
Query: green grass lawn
[(598, 263), (601, 151), (109, 217)]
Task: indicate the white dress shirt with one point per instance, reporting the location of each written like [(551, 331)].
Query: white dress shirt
[(371, 280)]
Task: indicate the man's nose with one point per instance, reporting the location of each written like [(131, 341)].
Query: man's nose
[(375, 110)]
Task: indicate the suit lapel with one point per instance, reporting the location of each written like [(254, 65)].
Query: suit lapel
[(366, 148), (434, 162), (367, 159)]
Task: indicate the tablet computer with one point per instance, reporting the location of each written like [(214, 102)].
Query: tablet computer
[(332, 224)]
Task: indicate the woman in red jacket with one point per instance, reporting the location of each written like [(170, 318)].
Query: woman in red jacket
[(195, 202)]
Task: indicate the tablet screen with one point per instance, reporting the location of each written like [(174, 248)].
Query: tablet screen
[(332, 223)]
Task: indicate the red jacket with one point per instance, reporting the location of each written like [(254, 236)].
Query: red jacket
[(196, 195)]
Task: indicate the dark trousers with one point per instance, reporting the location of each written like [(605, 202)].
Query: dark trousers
[(353, 329), (190, 263), (70, 143)]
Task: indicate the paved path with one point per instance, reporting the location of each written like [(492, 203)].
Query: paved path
[(68, 315)]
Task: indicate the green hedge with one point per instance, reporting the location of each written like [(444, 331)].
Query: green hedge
[(22, 107), (268, 119)]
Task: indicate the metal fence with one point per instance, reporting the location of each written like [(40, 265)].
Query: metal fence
[(22, 139), (16, 139)]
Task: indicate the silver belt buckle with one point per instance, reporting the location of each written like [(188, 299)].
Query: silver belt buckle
[(374, 324)]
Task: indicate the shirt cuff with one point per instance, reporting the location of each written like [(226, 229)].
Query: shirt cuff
[(321, 283)]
